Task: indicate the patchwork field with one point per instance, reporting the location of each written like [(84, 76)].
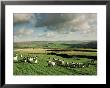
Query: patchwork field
[(44, 51)]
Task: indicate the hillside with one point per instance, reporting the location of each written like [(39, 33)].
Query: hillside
[(56, 44)]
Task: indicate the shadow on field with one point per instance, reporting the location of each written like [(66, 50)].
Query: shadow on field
[(71, 56)]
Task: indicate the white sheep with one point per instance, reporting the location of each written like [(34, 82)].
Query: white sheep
[(73, 64), (80, 64), (50, 63), (36, 57), (21, 55), (25, 60), (62, 62), (83, 66), (15, 58), (54, 59), (30, 60), (66, 64), (35, 61), (59, 62)]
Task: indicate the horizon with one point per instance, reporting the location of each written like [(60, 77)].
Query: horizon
[(58, 41)]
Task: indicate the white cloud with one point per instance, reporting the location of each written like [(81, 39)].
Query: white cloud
[(22, 17), (23, 32), (50, 34)]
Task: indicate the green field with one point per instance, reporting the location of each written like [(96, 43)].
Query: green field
[(58, 50)]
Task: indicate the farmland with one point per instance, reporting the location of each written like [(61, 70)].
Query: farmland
[(64, 50)]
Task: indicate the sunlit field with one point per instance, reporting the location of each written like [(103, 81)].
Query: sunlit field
[(87, 56)]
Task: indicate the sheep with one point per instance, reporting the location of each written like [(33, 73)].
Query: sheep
[(72, 64), (62, 62), (66, 64), (25, 60), (50, 63), (35, 61), (80, 65), (59, 62), (21, 55), (83, 66), (36, 57), (30, 60), (55, 59), (15, 59)]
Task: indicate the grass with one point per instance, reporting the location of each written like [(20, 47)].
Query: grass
[(43, 50), (79, 53), (42, 68)]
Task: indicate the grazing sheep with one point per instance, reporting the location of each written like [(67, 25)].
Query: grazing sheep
[(55, 59), (62, 62), (59, 62), (21, 55), (25, 60), (80, 65), (77, 65), (66, 64), (35, 61), (15, 59), (72, 64), (83, 66), (30, 60), (50, 63), (36, 57)]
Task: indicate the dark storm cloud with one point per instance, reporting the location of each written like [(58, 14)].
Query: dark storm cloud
[(67, 22)]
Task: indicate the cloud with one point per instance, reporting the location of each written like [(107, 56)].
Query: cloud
[(67, 22), (55, 26), (23, 32), (22, 17), (60, 22), (53, 19)]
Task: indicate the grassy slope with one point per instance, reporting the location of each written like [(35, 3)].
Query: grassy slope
[(41, 68), (56, 44)]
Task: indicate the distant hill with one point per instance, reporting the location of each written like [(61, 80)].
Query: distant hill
[(56, 44), (91, 44)]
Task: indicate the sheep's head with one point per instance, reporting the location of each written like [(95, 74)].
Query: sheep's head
[(49, 61)]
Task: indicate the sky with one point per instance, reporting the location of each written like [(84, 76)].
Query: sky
[(54, 26)]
